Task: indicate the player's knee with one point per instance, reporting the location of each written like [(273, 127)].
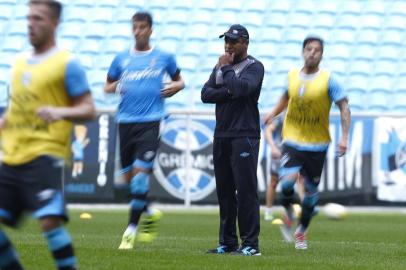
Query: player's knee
[(287, 187), (310, 200), (139, 183), (50, 223)]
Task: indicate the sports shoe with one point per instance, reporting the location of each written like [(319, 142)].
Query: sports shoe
[(300, 241), (148, 227), (222, 249), (247, 251), (128, 241), (286, 229), (268, 216)]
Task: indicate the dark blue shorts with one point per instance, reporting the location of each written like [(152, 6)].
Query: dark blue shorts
[(139, 143), (34, 187)]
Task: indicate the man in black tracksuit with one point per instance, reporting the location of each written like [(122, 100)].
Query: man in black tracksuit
[(234, 86)]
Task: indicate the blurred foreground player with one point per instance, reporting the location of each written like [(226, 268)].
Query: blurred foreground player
[(49, 89)]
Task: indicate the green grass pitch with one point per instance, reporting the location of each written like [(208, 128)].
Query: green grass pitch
[(362, 241)]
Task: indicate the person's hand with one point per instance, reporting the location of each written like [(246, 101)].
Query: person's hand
[(341, 147), (275, 152), (268, 119), (171, 89), (226, 59), (50, 114)]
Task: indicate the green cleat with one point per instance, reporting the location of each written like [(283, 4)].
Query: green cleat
[(128, 241), (148, 227)]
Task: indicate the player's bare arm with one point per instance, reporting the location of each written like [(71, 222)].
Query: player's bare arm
[(345, 114), (173, 87), (110, 86), (2, 122), (82, 109), (279, 107), (275, 151)]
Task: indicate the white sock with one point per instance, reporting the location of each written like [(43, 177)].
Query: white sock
[(132, 228)]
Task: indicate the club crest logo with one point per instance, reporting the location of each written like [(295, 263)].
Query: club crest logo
[(171, 168)]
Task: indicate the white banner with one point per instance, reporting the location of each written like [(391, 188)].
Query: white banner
[(389, 159)]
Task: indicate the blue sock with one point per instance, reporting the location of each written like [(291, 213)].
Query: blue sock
[(139, 188), (8, 256), (60, 245)]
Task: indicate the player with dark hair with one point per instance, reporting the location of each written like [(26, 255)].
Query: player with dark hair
[(310, 92), (234, 86), (137, 75), (49, 89)]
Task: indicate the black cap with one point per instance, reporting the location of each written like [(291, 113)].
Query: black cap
[(235, 32)]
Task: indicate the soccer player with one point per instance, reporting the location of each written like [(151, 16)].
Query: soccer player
[(273, 134), (137, 75), (49, 89), (234, 86), (310, 92)]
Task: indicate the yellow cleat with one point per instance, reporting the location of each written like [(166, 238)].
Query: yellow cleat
[(148, 227), (127, 241)]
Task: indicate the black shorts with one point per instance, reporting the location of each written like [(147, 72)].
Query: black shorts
[(34, 187), (139, 143), (307, 163)]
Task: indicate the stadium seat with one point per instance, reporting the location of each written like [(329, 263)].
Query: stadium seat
[(252, 21), (215, 48), (401, 69), (371, 21), (381, 83), (89, 46), (14, 44), (338, 51), (356, 100), (270, 34), (290, 51), (86, 60), (6, 61), (294, 35), (210, 5), (113, 4), (113, 46), (192, 48), (86, 4), (351, 7), (343, 36), (172, 32), (68, 43), (103, 61), (282, 68), (378, 100), (18, 28), (388, 52), (397, 8), (95, 31), (364, 53), (384, 67), (6, 12), (395, 22), (198, 32), (20, 12), (75, 14), (304, 7), (360, 67), (398, 101), (283, 7), (337, 66), (327, 7), (357, 82), (349, 21), (102, 15), (368, 37), (177, 17), (71, 30), (8, 2), (208, 64), (256, 6), (185, 6), (157, 4), (201, 17), (120, 31), (267, 50), (322, 21), (392, 37), (169, 45), (233, 6), (299, 20), (226, 18), (374, 8), (189, 63)]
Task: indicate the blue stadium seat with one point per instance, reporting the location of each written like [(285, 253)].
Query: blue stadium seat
[(283, 7), (198, 32), (349, 21), (399, 101), (124, 15), (392, 37), (364, 53), (75, 14), (194, 48), (177, 17), (20, 12), (172, 32), (256, 6), (201, 17), (252, 21), (120, 30), (368, 37), (397, 8), (215, 48), (381, 83), (95, 31), (271, 34), (395, 22), (18, 28), (374, 8), (189, 63), (351, 7), (113, 46), (102, 15), (304, 7), (210, 5), (357, 82), (89, 46), (6, 12), (384, 67), (294, 35), (291, 51), (71, 30), (338, 51), (301, 21), (337, 66), (86, 4), (343, 36), (208, 64), (268, 64), (283, 67), (371, 21), (8, 2), (103, 61), (360, 67), (226, 18), (185, 6), (388, 52), (113, 4), (322, 21), (276, 20), (378, 100), (14, 44), (157, 4), (68, 43), (356, 100), (169, 45), (233, 6), (6, 61), (327, 7), (401, 69), (267, 50)]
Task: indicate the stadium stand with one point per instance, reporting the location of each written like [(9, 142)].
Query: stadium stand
[(364, 41)]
